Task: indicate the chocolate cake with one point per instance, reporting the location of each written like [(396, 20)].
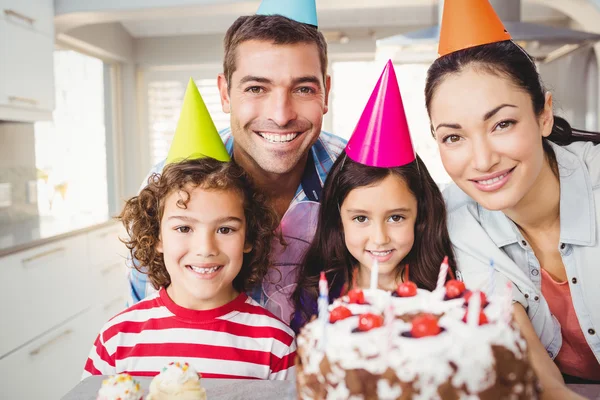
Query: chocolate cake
[(429, 345)]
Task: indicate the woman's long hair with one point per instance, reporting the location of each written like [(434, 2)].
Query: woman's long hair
[(328, 250)]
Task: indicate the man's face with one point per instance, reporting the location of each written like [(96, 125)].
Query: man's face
[(276, 98)]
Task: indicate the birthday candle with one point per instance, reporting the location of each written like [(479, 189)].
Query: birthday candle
[(473, 309), (492, 280), (374, 275), (508, 303), (442, 275), (323, 304), (389, 324)]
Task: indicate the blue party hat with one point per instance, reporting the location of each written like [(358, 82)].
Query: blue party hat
[(304, 11)]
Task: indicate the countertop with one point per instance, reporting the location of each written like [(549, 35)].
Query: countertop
[(226, 389), (216, 389), (15, 237)]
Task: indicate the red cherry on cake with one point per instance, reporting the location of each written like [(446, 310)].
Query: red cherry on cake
[(407, 289), (481, 294), (482, 318), (368, 321), (339, 313), (425, 325), (454, 288), (356, 296)]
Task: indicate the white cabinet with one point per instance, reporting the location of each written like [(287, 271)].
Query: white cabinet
[(26, 60), (37, 15), (48, 285), (50, 366), (108, 270), (57, 298)]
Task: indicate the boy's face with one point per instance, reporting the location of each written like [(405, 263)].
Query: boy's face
[(203, 246)]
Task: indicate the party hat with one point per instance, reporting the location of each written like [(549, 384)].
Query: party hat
[(469, 23), (196, 135), (381, 137), (304, 11)]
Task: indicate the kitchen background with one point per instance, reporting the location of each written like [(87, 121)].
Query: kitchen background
[(90, 93)]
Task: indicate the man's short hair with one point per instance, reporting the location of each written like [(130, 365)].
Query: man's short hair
[(273, 28)]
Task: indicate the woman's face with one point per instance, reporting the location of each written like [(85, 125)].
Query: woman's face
[(489, 137)]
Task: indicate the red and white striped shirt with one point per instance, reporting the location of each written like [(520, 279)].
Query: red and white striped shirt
[(240, 340)]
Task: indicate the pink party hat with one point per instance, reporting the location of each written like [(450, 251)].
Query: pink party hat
[(381, 137)]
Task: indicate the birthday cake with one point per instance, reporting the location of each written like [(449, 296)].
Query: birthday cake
[(413, 344)]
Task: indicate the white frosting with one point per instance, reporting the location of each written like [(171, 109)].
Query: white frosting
[(427, 362), (177, 373), (121, 386), (177, 381)]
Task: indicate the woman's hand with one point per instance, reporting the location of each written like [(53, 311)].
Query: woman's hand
[(560, 393), (551, 380)]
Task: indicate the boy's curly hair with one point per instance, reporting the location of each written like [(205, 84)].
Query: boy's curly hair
[(142, 215)]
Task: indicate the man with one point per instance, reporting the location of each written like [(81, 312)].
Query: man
[(275, 87)]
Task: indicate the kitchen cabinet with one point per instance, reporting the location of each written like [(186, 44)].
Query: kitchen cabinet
[(56, 299), (45, 286), (26, 60), (51, 365), (37, 15)]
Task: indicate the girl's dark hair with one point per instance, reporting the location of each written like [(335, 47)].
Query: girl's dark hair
[(142, 215), (328, 250), (507, 59)]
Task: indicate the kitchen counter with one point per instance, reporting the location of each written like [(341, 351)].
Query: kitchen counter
[(34, 232), (216, 389), (226, 389)]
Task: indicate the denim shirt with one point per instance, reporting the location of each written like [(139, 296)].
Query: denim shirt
[(479, 235)]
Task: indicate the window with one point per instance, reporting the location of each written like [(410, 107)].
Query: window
[(352, 85), (70, 151), (165, 98)]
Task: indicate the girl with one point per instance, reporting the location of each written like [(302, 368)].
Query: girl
[(205, 236), (393, 215), (526, 192)]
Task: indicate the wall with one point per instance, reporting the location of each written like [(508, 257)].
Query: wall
[(566, 79), (109, 41), (73, 6), (17, 167), (179, 50), (585, 14)]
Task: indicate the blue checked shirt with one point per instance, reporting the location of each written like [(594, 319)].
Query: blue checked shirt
[(325, 151)]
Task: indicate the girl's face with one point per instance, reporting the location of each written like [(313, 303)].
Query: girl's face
[(203, 246), (489, 137), (379, 224)]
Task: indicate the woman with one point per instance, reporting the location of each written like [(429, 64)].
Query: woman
[(526, 196)]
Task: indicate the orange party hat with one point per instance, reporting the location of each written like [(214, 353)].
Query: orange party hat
[(469, 23)]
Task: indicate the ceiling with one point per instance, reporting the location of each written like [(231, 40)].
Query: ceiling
[(334, 15)]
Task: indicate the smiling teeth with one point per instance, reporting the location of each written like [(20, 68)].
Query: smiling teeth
[(204, 270), (380, 253), (278, 138), (493, 180)]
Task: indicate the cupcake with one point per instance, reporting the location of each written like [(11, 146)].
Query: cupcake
[(177, 381), (120, 387)]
